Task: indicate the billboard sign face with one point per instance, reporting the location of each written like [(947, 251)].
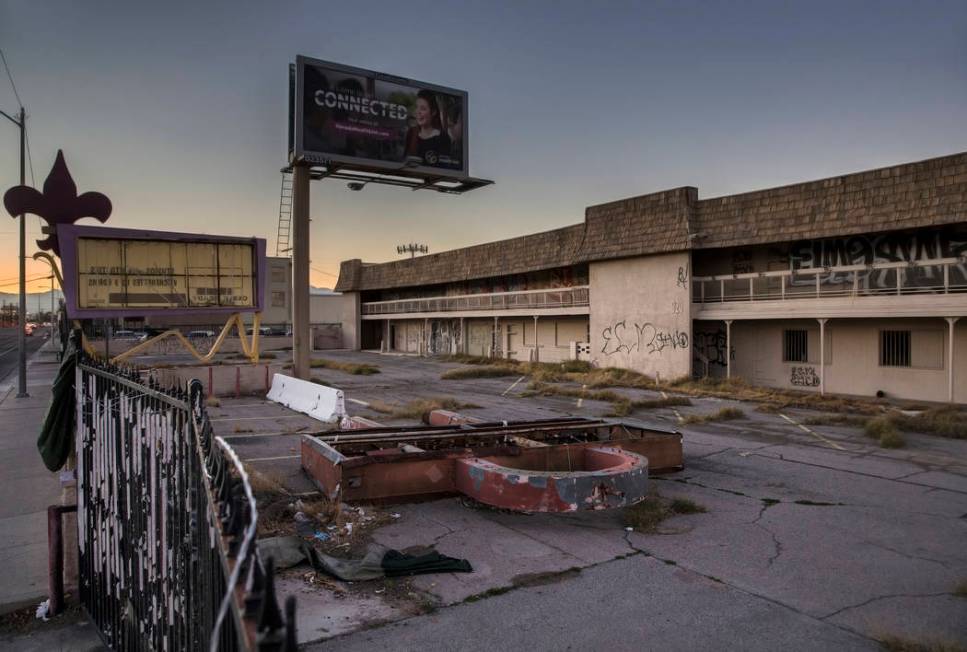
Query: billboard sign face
[(129, 273), (360, 119)]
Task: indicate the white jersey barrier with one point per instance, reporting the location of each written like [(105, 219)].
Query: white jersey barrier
[(318, 401)]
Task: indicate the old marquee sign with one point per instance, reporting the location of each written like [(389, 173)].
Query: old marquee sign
[(130, 273), (366, 120)]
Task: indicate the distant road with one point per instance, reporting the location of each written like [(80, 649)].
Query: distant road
[(8, 352)]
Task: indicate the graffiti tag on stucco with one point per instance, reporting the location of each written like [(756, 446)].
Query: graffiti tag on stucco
[(621, 337), (804, 377), (682, 277)]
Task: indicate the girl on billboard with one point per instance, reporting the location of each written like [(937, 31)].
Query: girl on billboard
[(427, 142)]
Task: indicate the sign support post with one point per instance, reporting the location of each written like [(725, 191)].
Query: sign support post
[(301, 344)]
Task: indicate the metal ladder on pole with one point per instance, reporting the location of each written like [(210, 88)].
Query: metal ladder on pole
[(285, 217)]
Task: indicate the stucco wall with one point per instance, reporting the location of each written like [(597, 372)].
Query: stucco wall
[(554, 337), (340, 309), (852, 357), (640, 314)]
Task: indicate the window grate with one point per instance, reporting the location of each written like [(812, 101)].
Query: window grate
[(795, 346), (894, 348)]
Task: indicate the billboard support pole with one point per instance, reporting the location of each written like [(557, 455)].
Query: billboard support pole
[(300, 272)]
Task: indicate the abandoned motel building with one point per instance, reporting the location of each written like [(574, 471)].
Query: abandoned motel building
[(855, 284)]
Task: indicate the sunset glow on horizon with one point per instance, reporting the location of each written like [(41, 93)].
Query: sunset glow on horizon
[(177, 112)]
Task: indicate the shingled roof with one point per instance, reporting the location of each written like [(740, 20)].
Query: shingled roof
[(926, 193)]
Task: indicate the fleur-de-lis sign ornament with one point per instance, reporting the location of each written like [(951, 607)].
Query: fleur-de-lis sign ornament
[(58, 204)]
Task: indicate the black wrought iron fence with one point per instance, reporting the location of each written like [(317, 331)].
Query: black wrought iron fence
[(167, 523)]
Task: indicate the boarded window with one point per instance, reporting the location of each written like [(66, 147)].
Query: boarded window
[(278, 299), (278, 274), (894, 348), (795, 346)]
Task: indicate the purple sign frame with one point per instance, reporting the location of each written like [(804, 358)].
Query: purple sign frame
[(68, 234)]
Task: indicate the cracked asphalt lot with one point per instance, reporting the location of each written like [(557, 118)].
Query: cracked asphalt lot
[(805, 546)]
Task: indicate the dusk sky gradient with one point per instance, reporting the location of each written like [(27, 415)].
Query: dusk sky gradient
[(177, 111)]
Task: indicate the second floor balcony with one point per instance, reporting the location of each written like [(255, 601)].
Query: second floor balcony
[(940, 276), (564, 300)]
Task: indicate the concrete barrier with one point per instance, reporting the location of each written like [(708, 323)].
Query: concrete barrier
[(318, 401)]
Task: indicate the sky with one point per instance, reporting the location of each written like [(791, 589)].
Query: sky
[(177, 111)]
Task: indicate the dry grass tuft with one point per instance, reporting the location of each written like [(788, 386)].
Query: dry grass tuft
[(346, 367), (686, 506), (417, 408), (892, 440), (213, 401), (265, 484), (647, 515), (961, 589), (876, 428), (836, 420), (481, 371), (944, 421), (724, 414)]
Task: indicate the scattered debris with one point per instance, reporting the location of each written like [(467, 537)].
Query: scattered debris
[(43, 609)]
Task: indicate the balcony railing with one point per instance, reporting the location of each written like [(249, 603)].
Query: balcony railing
[(937, 276), (523, 300)]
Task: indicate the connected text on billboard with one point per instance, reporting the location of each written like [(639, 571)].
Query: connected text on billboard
[(359, 118)]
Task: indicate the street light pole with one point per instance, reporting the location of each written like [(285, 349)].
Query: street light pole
[(22, 313)]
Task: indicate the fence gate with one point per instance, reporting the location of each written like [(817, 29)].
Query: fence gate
[(167, 523)]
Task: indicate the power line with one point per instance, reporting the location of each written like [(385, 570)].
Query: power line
[(30, 160), (316, 269), (29, 280), (10, 77)]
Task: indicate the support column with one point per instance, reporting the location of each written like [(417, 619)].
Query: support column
[(300, 272), (537, 343), (950, 357), (462, 342), (728, 348), (426, 336), (493, 346), (822, 356), (387, 336)]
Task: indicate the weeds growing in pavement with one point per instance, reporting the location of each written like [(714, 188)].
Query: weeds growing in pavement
[(347, 367)]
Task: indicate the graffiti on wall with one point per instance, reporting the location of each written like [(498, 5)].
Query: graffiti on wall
[(712, 345), (890, 247), (804, 377), (621, 337), (682, 280)]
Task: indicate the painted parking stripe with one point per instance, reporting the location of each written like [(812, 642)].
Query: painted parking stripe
[(513, 385), (357, 402), (272, 459), (678, 414), (813, 433)]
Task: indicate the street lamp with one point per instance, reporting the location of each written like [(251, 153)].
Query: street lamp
[(22, 313)]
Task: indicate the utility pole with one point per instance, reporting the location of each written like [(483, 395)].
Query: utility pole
[(22, 313), (412, 249)]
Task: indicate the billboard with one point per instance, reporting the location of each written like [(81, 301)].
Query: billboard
[(131, 273), (375, 122)]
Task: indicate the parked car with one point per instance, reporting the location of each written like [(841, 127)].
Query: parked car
[(124, 334), (28, 329), (263, 330), (201, 333)]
